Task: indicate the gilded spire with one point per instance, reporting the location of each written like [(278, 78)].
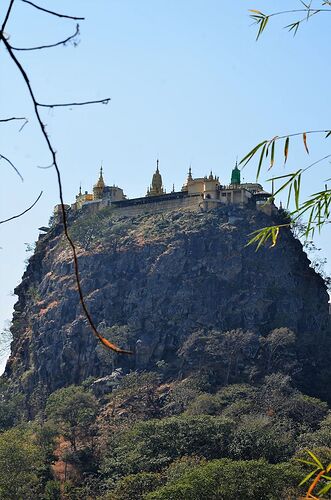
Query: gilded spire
[(99, 186), (101, 182), (156, 188)]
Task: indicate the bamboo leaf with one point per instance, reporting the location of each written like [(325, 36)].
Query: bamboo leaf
[(256, 11), (275, 233), (287, 142), (250, 155), (260, 162), (309, 224), (324, 490), (314, 457), (304, 137), (263, 24), (294, 27), (328, 134), (305, 461), (289, 196), (309, 476), (297, 190), (272, 157), (296, 195), (283, 176)]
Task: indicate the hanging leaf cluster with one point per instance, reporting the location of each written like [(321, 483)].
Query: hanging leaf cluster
[(316, 208), (306, 10)]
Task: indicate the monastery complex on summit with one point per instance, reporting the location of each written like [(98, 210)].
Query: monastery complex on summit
[(202, 193)]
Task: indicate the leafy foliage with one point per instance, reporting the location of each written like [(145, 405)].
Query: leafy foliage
[(74, 409), (306, 11), (227, 479), (20, 463)]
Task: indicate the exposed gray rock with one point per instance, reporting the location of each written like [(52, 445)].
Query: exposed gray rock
[(149, 282)]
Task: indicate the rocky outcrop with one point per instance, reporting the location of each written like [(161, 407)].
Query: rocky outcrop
[(149, 282)]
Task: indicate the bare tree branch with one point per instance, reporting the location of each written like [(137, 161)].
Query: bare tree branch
[(52, 12), (52, 151), (3, 120), (7, 16), (69, 104), (62, 42), (2, 157), (24, 212)]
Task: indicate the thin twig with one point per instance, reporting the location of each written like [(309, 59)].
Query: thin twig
[(2, 157), (7, 16), (69, 104), (22, 127), (45, 168), (52, 12), (22, 71), (313, 11), (24, 212), (300, 133), (2, 120), (40, 47)]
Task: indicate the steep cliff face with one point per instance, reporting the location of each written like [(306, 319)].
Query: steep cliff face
[(151, 281)]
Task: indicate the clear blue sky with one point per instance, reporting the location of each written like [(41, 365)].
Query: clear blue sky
[(189, 84)]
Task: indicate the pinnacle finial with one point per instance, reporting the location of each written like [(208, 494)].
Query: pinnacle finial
[(80, 189), (235, 176), (189, 177), (157, 165)]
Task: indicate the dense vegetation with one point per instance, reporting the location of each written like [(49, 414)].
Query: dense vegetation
[(142, 436)]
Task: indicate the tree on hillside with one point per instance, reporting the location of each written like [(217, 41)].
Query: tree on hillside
[(74, 410), (20, 462), (228, 355)]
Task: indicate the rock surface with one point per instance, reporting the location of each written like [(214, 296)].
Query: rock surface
[(149, 282)]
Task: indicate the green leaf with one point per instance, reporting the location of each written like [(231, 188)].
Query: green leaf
[(309, 476), (261, 28), (314, 457), (289, 196), (304, 137), (324, 490), (272, 158), (287, 142), (305, 461), (297, 191), (250, 155), (293, 26), (260, 162), (274, 235), (328, 134)]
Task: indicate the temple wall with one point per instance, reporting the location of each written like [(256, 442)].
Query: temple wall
[(188, 203)]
